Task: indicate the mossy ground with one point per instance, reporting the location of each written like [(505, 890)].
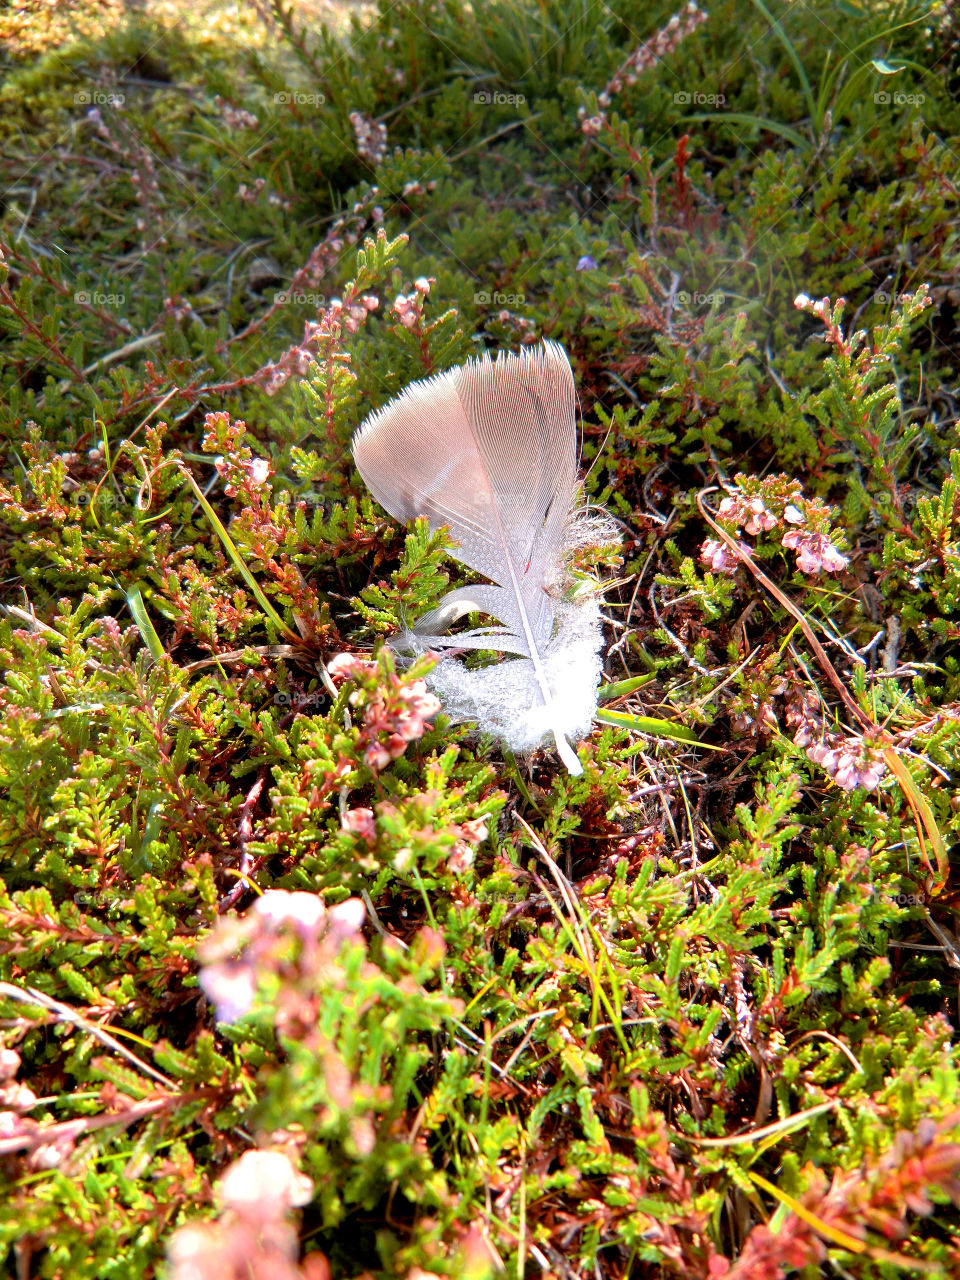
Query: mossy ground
[(691, 1014)]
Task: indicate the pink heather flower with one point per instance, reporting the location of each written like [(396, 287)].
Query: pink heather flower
[(377, 756), (759, 519), (11, 1125), (820, 753), (792, 514), (279, 906), (475, 830), (406, 310), (346, 919), (421, 705), (371, 137), (732, 509), (820, 307), (719, 557), (19, 1096), (360, 823), (858, 768), (349, 666), (230, 987), (815, 551), (461, 859), (264, 1183), (235, 117)]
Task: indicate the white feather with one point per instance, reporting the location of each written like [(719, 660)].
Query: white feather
[(489, 450)]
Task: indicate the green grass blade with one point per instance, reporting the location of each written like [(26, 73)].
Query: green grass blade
[(231, 549), (620, 688), (656, 728), (138, 611), (760, 122), (791, 52)]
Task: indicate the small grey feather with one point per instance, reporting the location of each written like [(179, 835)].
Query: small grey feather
[(489, 451)]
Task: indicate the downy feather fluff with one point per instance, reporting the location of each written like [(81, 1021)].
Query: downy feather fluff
[(489, 450)]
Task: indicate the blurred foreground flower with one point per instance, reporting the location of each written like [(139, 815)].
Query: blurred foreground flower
[(230, 982), (253, 1239)]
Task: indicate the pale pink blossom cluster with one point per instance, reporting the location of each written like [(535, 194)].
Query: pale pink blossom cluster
[(408, 307), (296, 360), (645, 58), (402, 726), (235, 117), (395, 713), (344, 233), (850, 762), (816, 306), (354, 313), (749, 512), (371, 137), (815, 551), (14, 1099), (178, 309), (130, 152), (256, 470), (360, 822), (17, 1098), (253, 1238), (854, 764), (324, 255), (468, 835), (522, 327), (251, 194), (415, 188), (716, 555), (229, 981), (471, 834)]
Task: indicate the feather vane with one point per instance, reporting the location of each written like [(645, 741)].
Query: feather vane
[(489, 450)]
